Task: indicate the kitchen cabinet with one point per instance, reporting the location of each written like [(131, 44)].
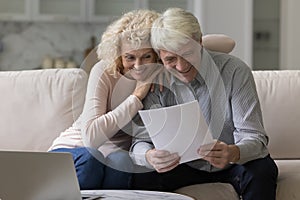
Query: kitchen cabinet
[(162, 5), (15, 10), (106, 10), (81, 10), (59, 10)]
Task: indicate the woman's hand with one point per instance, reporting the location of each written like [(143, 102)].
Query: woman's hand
[(159, 79), (143, 86)]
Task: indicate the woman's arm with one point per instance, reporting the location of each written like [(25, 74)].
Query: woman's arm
[(100, 119)]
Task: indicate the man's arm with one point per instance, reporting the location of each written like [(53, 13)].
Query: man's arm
[(141, 142), (249, 134), (142, 150)]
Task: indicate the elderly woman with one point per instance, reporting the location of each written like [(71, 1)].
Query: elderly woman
[(100, 138)]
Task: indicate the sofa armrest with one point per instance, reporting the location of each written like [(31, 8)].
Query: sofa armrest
[(37, 105)]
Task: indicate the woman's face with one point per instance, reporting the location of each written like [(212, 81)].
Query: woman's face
[(139, 64)]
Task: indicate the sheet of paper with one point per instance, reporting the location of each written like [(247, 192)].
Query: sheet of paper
[(180, 128)]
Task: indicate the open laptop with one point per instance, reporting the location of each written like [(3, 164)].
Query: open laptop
[(38, 176)]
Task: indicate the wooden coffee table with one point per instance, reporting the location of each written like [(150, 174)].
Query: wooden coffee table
[(136, 195)]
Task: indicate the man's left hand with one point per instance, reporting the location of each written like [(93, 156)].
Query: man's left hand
[(220, 154)]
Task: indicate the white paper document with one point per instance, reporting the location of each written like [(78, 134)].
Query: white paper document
[(181, 128)]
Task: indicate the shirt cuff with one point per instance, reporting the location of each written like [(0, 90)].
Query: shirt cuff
[(138, 154), (137, 101), (247, 153)]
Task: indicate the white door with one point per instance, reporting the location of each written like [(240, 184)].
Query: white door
[(290, 34), (230, 17)]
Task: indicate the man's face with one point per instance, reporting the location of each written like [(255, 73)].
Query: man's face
[(183, 62)]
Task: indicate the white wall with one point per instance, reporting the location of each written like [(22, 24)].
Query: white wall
[(290, 34), (231, 17), (234, 18)]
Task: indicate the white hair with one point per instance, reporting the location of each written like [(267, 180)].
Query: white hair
[(174, 28)]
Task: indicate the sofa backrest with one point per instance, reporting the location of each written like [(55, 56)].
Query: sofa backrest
[(37, 105), (279, 94)]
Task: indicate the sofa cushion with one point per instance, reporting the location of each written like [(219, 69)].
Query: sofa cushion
[(37, 105), (288, 180), (279, 96), (287, 185), (210, 191)]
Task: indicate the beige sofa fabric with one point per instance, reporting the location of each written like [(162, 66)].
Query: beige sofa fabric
[(288, 184), (210, 191), (279, 94), (37, 105)]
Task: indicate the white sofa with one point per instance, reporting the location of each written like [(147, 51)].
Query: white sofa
[(37, 105)]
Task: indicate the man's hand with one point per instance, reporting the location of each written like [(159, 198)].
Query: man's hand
[(219, 154), (161, 160)]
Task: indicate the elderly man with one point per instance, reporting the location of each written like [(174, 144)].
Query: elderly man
[(224, 87)]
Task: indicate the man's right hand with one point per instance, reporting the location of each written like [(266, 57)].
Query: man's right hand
[(162, 160)]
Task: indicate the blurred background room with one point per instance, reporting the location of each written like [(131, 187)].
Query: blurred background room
[(38, 34)]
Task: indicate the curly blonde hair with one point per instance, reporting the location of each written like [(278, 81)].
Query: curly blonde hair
[(133, 27)]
